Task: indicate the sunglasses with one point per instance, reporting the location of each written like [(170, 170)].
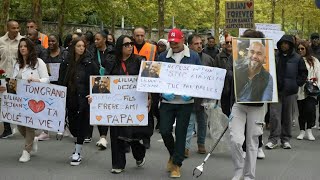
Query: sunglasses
[(228, 42), (301, 49), (128, 44)]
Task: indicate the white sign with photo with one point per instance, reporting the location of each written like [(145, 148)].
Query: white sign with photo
[(35, 105), (53, 70), (116, 102), (181, 79)]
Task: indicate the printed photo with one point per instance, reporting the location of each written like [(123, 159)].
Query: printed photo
[(11, 86), (254, 70), (100, 85), (151, 69)]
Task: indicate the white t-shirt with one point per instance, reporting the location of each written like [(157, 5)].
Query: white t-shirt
[(178, 56)]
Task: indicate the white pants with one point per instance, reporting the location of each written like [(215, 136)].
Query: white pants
[(251, 117)]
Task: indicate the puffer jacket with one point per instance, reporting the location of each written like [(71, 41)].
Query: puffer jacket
[(291, 69)]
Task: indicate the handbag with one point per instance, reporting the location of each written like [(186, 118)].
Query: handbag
[(311, 88)]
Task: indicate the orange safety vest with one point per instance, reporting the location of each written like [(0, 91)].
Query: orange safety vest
[(44, 40), (148, 50)]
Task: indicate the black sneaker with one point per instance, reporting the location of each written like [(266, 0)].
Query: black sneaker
[(6, 134), (141, 162), (87, 140), (75, 159)]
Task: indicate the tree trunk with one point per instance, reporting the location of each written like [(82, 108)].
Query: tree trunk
[(282, 17), (4, 16), (61, 18), (113, 22), (37, 13), (217, 20), (302, 25), (160, 19), (273, 8)]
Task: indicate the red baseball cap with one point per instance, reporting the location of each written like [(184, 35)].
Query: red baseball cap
[(175, 35)]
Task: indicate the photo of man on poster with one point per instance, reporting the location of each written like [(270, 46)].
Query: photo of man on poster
[(253, 83)]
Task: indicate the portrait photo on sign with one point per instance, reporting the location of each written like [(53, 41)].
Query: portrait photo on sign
[(11, 86), (255, 79), (150, 69), (100, 85)]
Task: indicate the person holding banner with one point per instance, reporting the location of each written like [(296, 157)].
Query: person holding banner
[(124, 62), (247, 117), (175, 107), (33, 69), (76, 77)]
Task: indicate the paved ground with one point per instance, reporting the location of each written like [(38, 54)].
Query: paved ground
[(52, 163)]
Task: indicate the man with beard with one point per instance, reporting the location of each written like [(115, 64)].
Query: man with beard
[(102, 87), (253, 82)]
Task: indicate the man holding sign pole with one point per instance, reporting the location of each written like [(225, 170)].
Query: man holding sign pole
[(174, 107)]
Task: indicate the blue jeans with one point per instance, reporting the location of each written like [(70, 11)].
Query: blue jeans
[(201, 118)]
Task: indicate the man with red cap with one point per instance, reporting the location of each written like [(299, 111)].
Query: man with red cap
[(175, 107)]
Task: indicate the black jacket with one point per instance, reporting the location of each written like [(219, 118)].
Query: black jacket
[(291, 69), (316, 51), (63, 55), (213, 52), (224, 61)]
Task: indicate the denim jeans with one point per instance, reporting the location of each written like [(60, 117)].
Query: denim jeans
[(201, 118)]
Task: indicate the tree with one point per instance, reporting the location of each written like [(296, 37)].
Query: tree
[(4, 16), (161, 8), (37, 12)]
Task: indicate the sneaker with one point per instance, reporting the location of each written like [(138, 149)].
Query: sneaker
[(244, 154), (310, 136), (75, 159), (87, 140), (34, 146), (141, 162), (43, 137), (25, 157), (102, 143), (261, 154), (201, 149), (301, 135), (270, 145), (117, 171), (169, 165), (186, 153), (175, 172), (6, 134), (286, 145)]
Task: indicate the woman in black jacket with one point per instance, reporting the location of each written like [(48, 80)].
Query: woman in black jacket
[(75, 75), (124, 62)]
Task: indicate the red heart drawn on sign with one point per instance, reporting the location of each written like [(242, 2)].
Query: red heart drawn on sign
[(249, 4), (36, 106)]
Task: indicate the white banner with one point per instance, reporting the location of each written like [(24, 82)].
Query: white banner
[(181, 79), (116, 102), (35, 105), (53, 70), (265, 26)]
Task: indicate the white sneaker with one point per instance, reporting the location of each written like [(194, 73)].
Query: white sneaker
[(301, 135), (244, 154), (310, 135), (34, 146), (102, 143), (25, 157), (261, 154), (75, 159), (43, 137)]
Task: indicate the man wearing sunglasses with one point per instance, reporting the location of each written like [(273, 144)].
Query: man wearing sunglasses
[(224, 60)]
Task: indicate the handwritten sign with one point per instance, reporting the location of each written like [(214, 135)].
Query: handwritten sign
[(239, 14), (183, 79), (266, 26), (53, 70), (35, 105), (120, 105), (272, 34)]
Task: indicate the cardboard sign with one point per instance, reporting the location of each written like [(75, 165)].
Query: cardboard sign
[(265, 26), (116, 102), (239, 14), (35, 105), (53, 71), (181, 79), (271, 34), (255, 79)]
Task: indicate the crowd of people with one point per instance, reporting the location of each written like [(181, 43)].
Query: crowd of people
[(85, 54)]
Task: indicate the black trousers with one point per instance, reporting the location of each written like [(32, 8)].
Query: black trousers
[(118, 148), (103, 131), (226, 104), (307, 112), (7, 127), (155, 107)]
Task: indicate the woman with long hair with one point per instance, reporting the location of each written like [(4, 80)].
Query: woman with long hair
[(33, 69), (76, 78), (307, 104), (124, 62)]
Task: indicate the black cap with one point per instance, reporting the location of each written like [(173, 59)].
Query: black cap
[(314, 36)]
